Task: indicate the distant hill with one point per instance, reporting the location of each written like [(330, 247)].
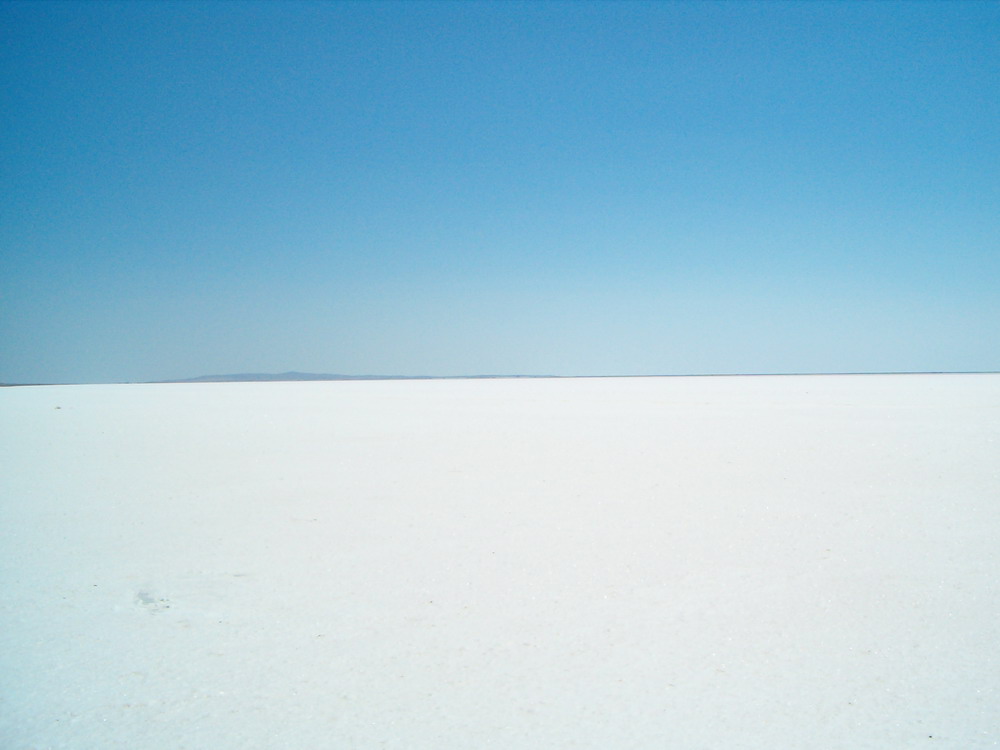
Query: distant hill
[(256, 377), (264, 377)]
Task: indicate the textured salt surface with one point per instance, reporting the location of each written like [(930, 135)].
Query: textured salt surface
[(632, 563)]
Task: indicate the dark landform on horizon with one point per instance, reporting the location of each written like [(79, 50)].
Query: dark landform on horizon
[(255, 377), (307, 376)]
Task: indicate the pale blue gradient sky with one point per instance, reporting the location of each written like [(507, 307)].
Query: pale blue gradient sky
[(510, 188)]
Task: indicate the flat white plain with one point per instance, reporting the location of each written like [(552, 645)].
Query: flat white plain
[(724, 562)]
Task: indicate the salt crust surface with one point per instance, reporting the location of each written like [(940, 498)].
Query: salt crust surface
[(729, 562)]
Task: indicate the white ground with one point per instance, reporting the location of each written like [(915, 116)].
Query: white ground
[(752, 562)]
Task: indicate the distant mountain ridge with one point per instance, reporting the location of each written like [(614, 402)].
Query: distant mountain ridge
[(256, 377)]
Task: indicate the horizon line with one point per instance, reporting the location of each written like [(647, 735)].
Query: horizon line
[(295, 376)]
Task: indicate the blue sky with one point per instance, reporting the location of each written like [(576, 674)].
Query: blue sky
[(507, 188)]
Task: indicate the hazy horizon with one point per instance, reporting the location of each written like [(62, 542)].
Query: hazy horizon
[(295, 376), (411, 188)]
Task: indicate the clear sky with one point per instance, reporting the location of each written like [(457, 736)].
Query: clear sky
[(505, 188)]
